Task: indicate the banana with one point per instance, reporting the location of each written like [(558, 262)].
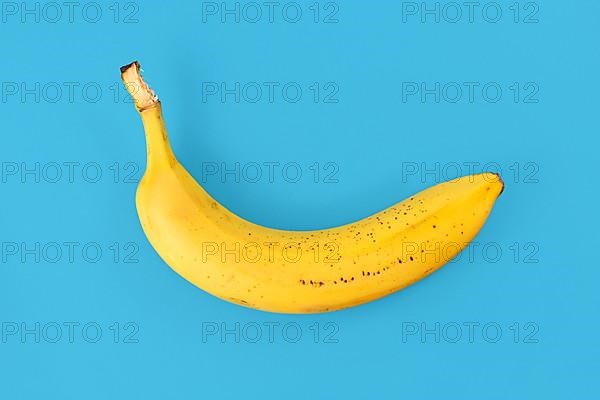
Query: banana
[(297, 271)]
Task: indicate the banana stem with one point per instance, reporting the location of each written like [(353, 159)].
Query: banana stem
[(158, 148), (143, 96)]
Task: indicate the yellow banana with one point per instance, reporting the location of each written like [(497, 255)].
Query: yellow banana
[(297, 271)]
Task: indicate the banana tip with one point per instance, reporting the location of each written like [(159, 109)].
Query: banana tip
[(501, 181)]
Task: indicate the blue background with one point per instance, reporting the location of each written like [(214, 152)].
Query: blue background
[(549, 209)]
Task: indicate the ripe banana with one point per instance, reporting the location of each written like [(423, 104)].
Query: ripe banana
[(297, 271)]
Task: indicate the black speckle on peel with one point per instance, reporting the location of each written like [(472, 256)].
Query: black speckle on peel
[(313, 283), (235, 300)]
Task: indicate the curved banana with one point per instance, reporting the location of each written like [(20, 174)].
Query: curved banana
[(297, 271)]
